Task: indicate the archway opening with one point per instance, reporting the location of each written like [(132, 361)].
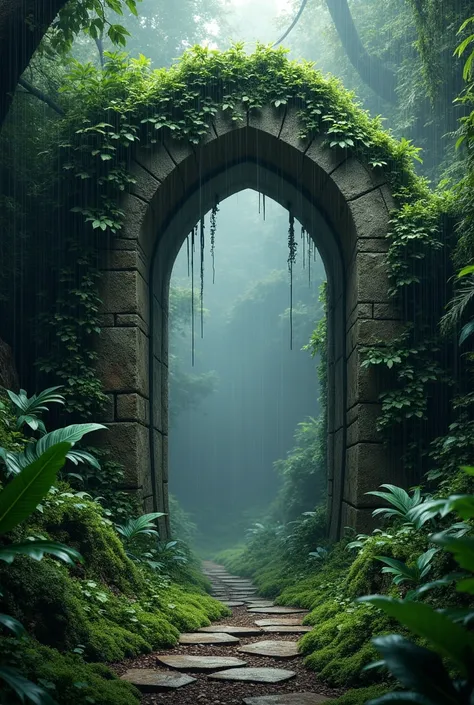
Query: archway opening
[(248, 420)]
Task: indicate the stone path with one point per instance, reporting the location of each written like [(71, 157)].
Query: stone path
[(237, 662)]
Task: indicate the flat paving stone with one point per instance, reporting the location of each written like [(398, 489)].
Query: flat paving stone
[(278, 610), (279, 621), (201, 663), (260, 603), (199, 638), (287, 629), (234, 603), (282, 629), (275, 649), (288, 699), (150, 680), (254, 675), (235, 631)]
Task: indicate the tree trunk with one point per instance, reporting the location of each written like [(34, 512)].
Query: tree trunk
[(373, 72), (23, 24)]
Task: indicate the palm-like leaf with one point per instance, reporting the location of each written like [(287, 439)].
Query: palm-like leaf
[(36, 403), (22, 495), (12, 624), (140, 526), (70, 434), (37, 549), (25, 689)]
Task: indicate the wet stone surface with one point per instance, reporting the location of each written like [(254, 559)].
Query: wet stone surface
[(287, 629), (200, 663), (278, 610), (275, 649), (254, 675), (150, 680), (288, 699), (215, 638)]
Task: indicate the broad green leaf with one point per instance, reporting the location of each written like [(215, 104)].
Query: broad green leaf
[(446, 637), (416, 668), (21, 496), (25, 689), (12, 624), (462, 548), (466, 332), (37, 549)]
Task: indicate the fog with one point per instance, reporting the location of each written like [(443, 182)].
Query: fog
[(253, 382)]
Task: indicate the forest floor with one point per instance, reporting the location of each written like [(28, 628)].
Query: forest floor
[(206, 691)]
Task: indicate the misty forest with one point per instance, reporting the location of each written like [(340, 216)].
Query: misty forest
[(236, 352)]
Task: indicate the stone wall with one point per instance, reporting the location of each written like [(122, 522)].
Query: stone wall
[(343, 204)]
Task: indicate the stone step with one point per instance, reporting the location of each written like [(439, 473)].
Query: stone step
[(273, 649), (254, 675), (214, 638), (201, 663), (278, 610), (287, 629), (230, 629), (151, 680), (279, 621), (288, 699)]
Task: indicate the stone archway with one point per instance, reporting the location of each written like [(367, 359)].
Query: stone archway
[(343, 204)]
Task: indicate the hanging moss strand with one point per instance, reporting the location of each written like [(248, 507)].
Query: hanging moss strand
[(291, 260), (303, 237), (193, 234), (214, 212), (187, 251), (202, 244)]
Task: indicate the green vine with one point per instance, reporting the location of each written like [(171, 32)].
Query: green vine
[(127, 104)]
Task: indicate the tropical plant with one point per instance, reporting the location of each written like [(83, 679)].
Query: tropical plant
[(133, 533), (460, 302), (320, 554), (27, 410), (421, 670), (18, 500), (141, 526), (403, 505), (403, 573)]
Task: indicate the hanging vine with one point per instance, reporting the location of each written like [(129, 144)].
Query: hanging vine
[(193, 238), (292, 248), (214, 212), (201, 294)]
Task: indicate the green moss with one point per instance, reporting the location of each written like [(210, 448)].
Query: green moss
[(70, 680), (360, 696), (80, 524)]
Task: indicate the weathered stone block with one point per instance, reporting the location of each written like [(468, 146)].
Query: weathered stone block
[(132, 407), (123, 360), (269, 120), (156, 160), (370, 215), (223, 123), (290, 131), (130, 320), (128, 445), (145, 185), (339, 394), (390, 311), (164, 398), (360, 311), (363, 384), (328, 158), (362, 424), (361, 520), (367, 280), (124, 292), (106, 320), (367, 244), (368, 465), (157, 395), (135, 211), (354, 179), (371, 331)]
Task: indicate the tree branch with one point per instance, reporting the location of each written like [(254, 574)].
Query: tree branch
[(41, 96), (22, 26), (379, 77)]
